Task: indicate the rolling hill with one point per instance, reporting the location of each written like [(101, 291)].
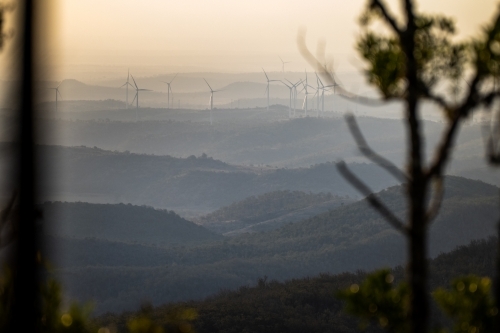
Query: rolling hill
[(269, 211), (309, 304), (256, 137), (122, 223), (190, 185), (348, 238)]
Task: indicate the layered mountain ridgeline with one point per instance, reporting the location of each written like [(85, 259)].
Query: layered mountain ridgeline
[(348, 238), (181, 184), (122, 223), (269, 211), (245, 137), (307, 305)]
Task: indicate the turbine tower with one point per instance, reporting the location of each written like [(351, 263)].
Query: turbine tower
[(57, 93), (267, 89), (289, 100), (294, 85), (136, 98), (304, 104), (211, 100), (323, 89), (318, 97), (283, 64), (126, 84), (169, 90)]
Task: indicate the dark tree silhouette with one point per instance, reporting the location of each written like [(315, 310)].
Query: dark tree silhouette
[(407, 65)]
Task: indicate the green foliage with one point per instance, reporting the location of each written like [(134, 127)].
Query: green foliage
[(387, 69), (469, 303), (54, 319), (176, 320), (436, 55), (377, 299)]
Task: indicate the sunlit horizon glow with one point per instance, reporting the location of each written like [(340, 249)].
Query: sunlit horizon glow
[(158, 36)]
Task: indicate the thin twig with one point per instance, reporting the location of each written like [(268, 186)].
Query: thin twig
[(369, 153), (371, 198)]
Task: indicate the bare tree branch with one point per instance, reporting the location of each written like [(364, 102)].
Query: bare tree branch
[(365, 149), (443, 152), (385, 14), (437, 199), (394, 221), (313, 61), (435, 98), (489, 98), (491, 135)]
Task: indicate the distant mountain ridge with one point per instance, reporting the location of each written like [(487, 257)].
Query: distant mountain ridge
[(193, 184)]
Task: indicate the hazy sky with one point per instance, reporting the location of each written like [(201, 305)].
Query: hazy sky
[(195, 32), (104, 37)]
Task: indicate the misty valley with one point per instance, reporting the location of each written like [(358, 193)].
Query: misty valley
[(172, 209)]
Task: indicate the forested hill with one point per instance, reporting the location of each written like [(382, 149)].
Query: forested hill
[(271, 209), (308, 305), (348, 238), (122, 223), (193, 183)]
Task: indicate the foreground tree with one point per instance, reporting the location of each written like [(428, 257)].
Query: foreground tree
[(417, 60)]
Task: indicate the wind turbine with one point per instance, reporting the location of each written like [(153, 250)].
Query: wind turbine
[(136, 98), (169, 90), (323, 89), (283, 64), (267, 89), (126, 84), (294, 85), (290, 100), (305, 85), (57, 93), (211, 100)]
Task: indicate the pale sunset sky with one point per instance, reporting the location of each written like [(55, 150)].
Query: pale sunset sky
[(220, 35)]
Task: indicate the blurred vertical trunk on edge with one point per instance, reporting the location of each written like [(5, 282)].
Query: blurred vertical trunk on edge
[(25, 307)]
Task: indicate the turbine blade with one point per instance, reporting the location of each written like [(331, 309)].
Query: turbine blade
[(265, 74), (173, 78), (208, 85), (134, 81), (134, 98), (286, 84)]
